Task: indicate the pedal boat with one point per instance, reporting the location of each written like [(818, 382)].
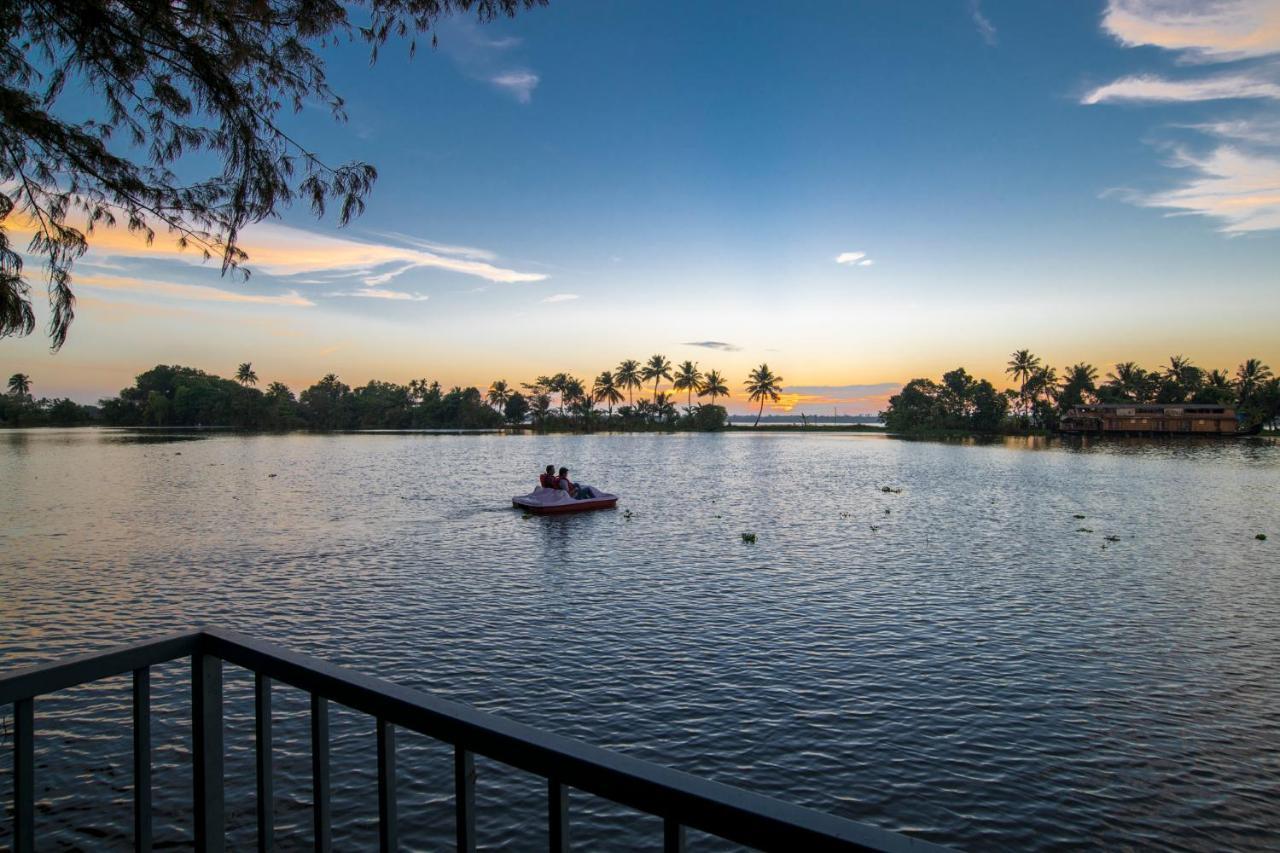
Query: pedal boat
[(543, 501)]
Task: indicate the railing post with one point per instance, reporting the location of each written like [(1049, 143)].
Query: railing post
[(24, 777), (557, 817), (142, 759), (320, 772), (672, 836), (265, 764), (388, 832), (206, 728), (464, 798)]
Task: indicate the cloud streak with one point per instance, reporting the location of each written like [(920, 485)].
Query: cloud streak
[(1202, 31), (561, 297), (1239, 189), (190, 292), (722, 346), (518, 84), (1158, 89), (378, 293), (985, 28)]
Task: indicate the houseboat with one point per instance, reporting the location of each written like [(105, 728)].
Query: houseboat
[(1153, 419)]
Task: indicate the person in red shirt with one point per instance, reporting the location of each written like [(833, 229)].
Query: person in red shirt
[(548, 479)]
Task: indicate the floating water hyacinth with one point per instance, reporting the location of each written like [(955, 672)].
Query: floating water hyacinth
[(1112, 538), (1077, 516), (749, 538), (890, 490), (1083, 530), (1261, 537)]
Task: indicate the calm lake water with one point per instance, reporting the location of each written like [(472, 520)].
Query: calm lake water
[(959, 660)]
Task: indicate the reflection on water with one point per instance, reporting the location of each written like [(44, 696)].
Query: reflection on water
[(971, 658)]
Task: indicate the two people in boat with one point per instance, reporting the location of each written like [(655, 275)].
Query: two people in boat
[(549, 479)]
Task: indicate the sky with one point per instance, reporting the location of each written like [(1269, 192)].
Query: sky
[(856, 193)]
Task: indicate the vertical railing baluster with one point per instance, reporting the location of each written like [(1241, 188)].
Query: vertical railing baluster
[(320, 772), (265, 764), (24, 777), (464, 798), (557, 816), (206, 731), (388, 832), (142, 759), (672, 836)]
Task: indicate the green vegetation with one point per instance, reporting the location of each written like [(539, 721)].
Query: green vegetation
[(19, 408), (1040, 398)]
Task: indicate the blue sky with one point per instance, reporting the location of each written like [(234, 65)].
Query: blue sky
[(595, 181)]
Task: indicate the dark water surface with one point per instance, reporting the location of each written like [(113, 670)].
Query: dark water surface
[(958, 660)]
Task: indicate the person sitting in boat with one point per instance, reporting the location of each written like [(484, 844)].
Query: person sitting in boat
[(581, 493), (548, 479)]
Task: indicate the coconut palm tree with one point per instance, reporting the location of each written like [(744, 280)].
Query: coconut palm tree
[(663, 409), (571, 391), (245, 375), (20, 384), (605, 390), (1128, 379), (762, 385), (687, 378), (1250, 376), (499, 394), (713, 385), (628, 376), (1022, 366), (656, 368)]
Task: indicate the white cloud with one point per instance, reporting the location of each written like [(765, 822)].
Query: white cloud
[(378, 293), (1240, 190), (1259, 131), (865, 262), (850, 257), (985, 28), (520, 84), (561, 297), (1203, 30), (192, 292), (1151, 88)]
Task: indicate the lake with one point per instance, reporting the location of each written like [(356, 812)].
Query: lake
[(965, 659)]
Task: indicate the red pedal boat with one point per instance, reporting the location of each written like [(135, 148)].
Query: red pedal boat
[(543, 501)]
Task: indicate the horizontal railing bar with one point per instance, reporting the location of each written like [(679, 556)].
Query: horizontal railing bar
[(731, 813), (58, 675)]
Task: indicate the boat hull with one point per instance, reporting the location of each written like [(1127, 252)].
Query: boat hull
[(543, 501), (576, 506)]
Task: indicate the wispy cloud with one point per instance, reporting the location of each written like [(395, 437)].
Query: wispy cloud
[(1201, 30), (1159, 89), (1240, 190), (191, 292), (723, 346), (483, 57), (561, 297), (1237, 182), (519, 84), (854, 259), (379, 293), (985, 28)]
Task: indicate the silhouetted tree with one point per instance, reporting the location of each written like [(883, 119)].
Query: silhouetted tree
[(167, 90)]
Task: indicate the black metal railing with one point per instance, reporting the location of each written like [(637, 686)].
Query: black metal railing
[(681, 800)]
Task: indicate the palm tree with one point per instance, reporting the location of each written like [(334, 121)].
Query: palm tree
[(245, 375), (20, 384), (1177, 368), (1022, 366), (571, 391), (605, 390), (713, 385), (1128, 379), (1250, 376), (499, 394), (688, 377), (628, 376), (762, 385), (663, 409), (656, 368)]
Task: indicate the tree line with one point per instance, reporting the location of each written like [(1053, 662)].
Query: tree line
[(172, 395), (1041, 394)]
